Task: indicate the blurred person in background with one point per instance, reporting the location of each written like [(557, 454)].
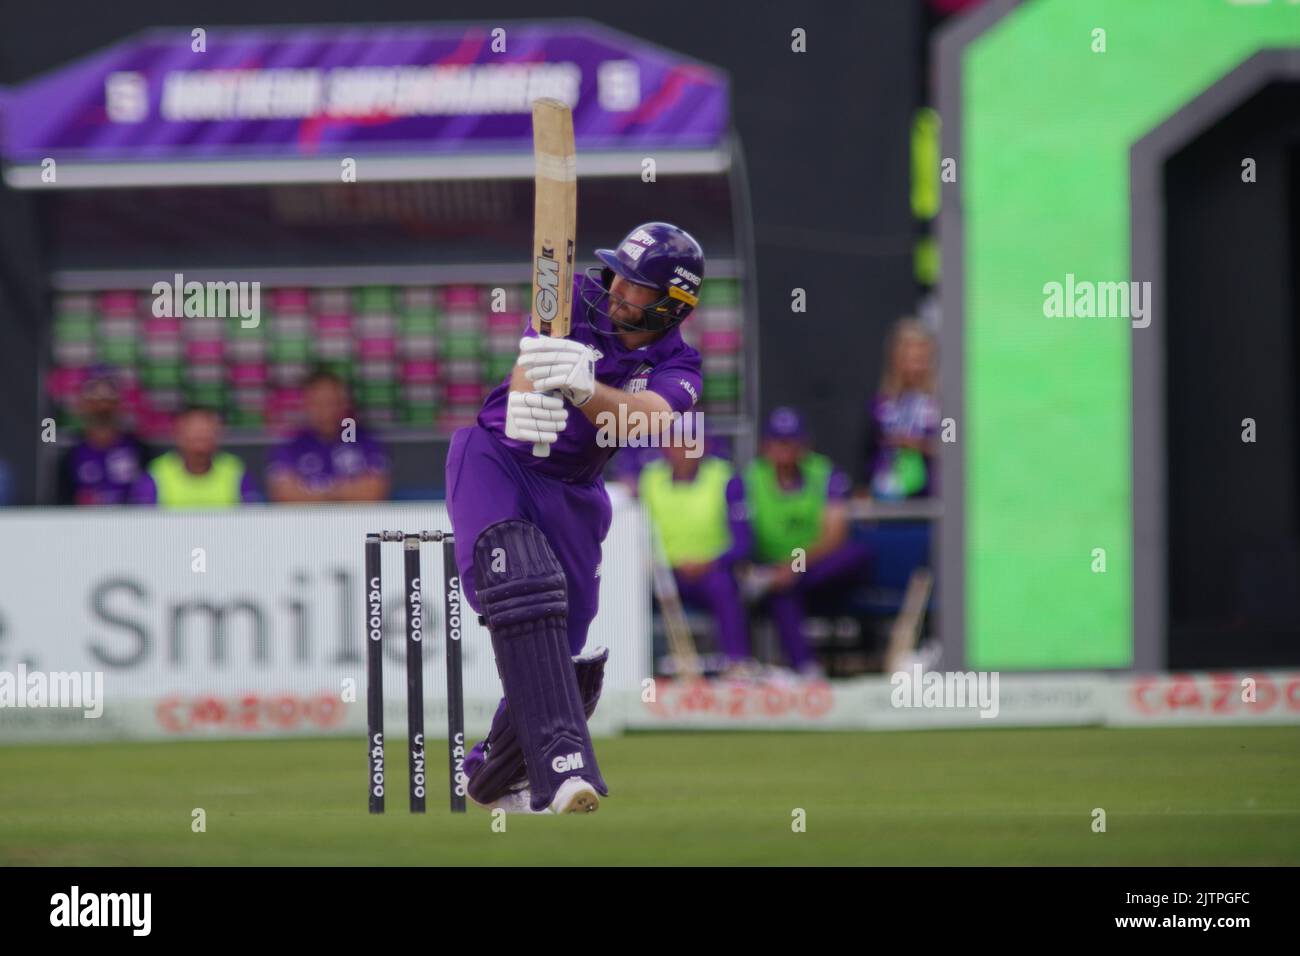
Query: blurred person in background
[(196, 474), (331, 459), (697, 507), (798, 511), (102, 467), (625, 468), (904, 422)]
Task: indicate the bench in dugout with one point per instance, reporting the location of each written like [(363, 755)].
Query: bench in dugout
[(868, 627)]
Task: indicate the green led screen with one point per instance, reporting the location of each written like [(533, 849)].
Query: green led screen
[(1046, 129)]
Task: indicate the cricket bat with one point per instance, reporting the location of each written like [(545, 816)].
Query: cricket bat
[(680, 641), (911, 616), (555, 222)]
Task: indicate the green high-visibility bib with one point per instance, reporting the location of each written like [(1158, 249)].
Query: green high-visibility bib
[(691, 515), (218, 487), (781, 519)]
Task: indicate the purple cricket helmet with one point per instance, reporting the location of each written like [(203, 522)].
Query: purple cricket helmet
[(657, 255)]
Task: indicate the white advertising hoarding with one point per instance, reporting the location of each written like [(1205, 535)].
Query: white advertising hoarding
[(250, 621), (1018, 700)]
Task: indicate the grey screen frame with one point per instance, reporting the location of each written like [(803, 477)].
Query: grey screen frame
[(950, 47)]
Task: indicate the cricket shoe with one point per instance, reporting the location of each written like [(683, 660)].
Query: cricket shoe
[(743, 672), (518, 800), (778, 676), (575, 795)]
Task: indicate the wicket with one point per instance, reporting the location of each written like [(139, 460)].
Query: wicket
[(414, 607)]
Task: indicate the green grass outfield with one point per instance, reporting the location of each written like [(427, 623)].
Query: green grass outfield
[(1172, 796)]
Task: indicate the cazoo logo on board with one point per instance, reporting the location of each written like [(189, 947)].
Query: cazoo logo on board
[(1215, 695), (249, 713)]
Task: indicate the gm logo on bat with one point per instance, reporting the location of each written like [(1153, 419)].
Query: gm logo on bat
[(547, 278)]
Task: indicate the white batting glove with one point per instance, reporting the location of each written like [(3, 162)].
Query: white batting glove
[(559, 364), (531, 416)]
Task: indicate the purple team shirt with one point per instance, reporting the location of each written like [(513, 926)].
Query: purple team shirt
[(319, 463), (102, 476), (912, 415), (668, 367)]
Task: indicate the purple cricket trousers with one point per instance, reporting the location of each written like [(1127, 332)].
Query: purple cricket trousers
[(788, 608), (487, 482), (716, 589)]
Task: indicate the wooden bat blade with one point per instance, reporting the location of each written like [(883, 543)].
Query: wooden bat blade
[(680, 641), (911, 616), (555, 222), (555, 216)]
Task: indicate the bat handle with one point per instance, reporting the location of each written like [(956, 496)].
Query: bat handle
[(542, 449)]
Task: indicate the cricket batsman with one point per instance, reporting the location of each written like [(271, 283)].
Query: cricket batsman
[(529, 529)]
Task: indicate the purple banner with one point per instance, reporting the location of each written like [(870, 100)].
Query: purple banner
[(360, 90)]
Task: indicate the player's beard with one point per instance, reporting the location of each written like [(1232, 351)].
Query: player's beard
[(598, 308)]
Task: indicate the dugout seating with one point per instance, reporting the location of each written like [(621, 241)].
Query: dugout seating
[(847, 629)]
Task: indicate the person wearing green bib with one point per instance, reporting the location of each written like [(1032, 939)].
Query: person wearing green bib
[(798, 512), (697, 506), (196, 474)]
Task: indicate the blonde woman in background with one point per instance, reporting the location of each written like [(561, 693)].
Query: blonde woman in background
[(904, 424)]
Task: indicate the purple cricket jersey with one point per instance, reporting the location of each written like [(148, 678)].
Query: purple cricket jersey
[(102, 476), (669, 367), (319, 463), (895, 471), (492, 478)]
